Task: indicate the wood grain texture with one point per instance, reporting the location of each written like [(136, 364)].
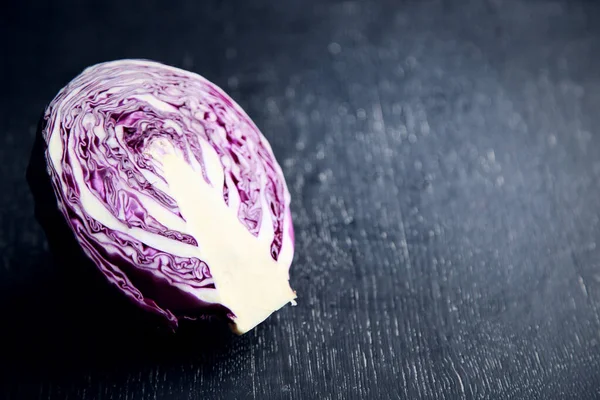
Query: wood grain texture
[(443, 162)]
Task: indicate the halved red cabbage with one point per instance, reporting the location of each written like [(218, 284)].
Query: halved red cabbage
[(172, 191)]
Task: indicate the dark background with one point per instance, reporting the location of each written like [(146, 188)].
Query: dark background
[(443, 162)]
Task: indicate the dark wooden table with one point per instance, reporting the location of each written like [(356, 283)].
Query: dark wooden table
[(443, 159)]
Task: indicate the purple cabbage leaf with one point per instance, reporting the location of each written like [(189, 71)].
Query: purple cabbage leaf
[(171, 191)]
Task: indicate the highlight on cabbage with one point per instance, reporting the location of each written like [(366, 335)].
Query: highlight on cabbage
[(172, 191)]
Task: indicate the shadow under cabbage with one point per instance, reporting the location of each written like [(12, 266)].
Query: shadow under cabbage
[(53, 328)]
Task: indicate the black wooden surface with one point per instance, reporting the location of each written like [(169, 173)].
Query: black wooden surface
[(443, 162)]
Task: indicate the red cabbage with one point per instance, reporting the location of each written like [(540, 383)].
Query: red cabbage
[(172, 191)]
